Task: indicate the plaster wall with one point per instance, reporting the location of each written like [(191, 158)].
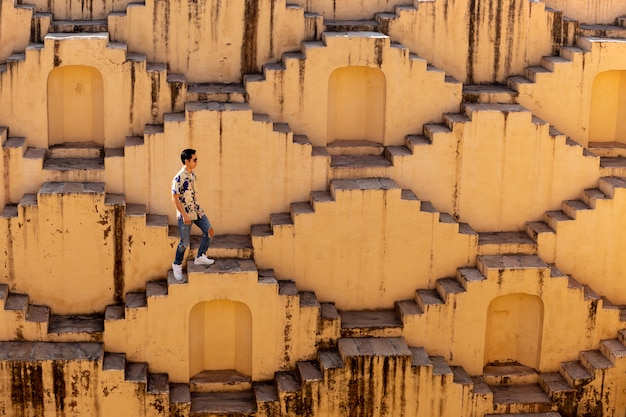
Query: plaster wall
[(70, 236), (578, 243), (458, 328), (401, 248), (299, 92), (238, 155), (608, 107), (210, 42), (572, 87), (602, 12), (48, 387), (492, 151), (12, 17), (161, 332), (130, 107), (489, 41)]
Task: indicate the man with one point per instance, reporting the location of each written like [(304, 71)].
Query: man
[(188, 212)]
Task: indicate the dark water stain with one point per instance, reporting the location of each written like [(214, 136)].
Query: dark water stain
[(57, 58), (133, 77), (58, 383), (27, 389), (474, 13), (250, 33), (175, 88), (497, 34), (557, 32), (118, 263)]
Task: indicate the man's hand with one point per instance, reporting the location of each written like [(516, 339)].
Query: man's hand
[(186, 218)]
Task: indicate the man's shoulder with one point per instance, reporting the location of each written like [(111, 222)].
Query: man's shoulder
[(180, 174)]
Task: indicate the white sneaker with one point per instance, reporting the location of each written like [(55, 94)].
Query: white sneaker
[(203, 260), (178, 272)]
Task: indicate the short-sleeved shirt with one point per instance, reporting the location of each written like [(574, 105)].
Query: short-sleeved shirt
[(183, 184)]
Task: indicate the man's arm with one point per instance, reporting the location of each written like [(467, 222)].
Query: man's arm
[(180, 208)]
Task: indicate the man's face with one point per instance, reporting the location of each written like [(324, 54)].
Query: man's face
[(192, 162)]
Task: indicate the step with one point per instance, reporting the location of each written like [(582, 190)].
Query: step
[(88, 323), (309, 372), (180, 399), (536, 229), (136, 372), (575, 207), (78, 26), (460, 376), (592, 196), (555, 385), (51, 351), (466, 276), (223, 403), (608, 149), (289, 389), (602, 31), (419, 357), (529, 398), (370, 323), (220, 381), (609, 185), (38, 314), (266, 397), (359, 161), (329, 359), (447, 286), (216, 92), (610, 166), (575, 373), (222, 246), (351, 26), (355, 148), (75, 150), (74, 164), (407, 308), (505, 243), (16, 302), (158, 384), (613, 349), (223, 266), (507, 374), (497, 263), (595, 362), (350, 348), (488, 94), (440, 366), (426, 298)]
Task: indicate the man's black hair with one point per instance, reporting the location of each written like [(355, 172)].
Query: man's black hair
[(187, 154)]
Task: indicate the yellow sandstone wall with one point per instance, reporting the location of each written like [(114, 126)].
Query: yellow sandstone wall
[(404, 236)]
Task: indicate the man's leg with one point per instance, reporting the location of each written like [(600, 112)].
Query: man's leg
[(204, 225), (185, 237)]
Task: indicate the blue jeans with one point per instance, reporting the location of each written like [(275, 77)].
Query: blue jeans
[(185, 237)]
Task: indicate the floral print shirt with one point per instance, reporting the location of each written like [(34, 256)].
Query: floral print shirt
[(183, 184)]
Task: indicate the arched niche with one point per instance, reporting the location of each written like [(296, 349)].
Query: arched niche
[(75, 105), (608, 108), (514, 329), (356, 104), (220, 337)]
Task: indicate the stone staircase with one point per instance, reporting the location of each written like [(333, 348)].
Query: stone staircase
[(612, 157), (75, 162), (351, 159), (612, 161)]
